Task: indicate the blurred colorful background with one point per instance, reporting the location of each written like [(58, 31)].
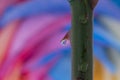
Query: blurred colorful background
[(30, 40)]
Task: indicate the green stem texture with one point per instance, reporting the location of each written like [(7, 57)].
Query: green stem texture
[(81, 40)]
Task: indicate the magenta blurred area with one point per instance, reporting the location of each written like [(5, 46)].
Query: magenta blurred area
[(30, 39)]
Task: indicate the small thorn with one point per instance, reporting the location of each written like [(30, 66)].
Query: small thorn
[(65, 39)]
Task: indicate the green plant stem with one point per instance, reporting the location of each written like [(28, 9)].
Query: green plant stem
[(81, 40)]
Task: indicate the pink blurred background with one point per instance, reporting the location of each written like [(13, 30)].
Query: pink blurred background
[(30, 40)]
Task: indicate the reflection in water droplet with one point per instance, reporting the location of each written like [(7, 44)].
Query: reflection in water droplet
[(64, 42)]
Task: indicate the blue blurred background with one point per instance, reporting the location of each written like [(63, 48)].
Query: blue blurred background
[(31, 33)]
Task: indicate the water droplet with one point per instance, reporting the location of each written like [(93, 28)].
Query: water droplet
[(64, 42)]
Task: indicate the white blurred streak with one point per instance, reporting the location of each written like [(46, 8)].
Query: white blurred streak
[(107, 75), (112, 24), (116, 59)]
